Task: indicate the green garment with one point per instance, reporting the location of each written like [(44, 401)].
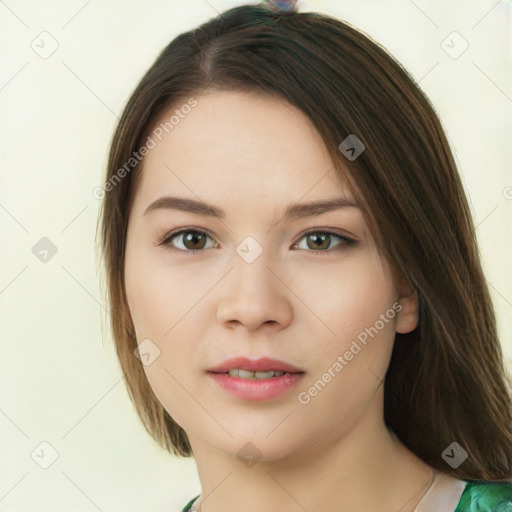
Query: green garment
[(486, 496), (478, 496)]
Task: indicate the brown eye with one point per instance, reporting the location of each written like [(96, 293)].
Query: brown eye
[(321, 241), (188, 240)]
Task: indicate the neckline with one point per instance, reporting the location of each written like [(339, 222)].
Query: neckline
[(192, 505), (443, 495)]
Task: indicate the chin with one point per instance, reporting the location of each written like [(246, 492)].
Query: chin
[(252, 447)]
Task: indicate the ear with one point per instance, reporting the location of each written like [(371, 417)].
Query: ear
[(407, 318)]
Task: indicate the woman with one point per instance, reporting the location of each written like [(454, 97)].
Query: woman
[(296, 293)]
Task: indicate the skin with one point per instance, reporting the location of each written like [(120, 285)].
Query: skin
[(253, 155)]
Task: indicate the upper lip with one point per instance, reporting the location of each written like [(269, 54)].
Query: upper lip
[(259, 365)]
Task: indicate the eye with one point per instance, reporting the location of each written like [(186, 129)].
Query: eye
[(191, 239), (321, 241), (194, 241)]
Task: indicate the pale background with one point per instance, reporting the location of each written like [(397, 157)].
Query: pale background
[(60, 383)]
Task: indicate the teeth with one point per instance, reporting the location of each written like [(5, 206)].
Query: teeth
[(245, 374)]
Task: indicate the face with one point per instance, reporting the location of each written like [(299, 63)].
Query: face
[(250, 281)]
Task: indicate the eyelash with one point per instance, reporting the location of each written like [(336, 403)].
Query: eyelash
[(345, 241)]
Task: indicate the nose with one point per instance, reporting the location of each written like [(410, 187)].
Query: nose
[(255, 295)]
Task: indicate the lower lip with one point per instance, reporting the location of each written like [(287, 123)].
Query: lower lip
[(256, 389)]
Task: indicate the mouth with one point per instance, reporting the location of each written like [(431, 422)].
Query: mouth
[(246, 374), (259, 380)]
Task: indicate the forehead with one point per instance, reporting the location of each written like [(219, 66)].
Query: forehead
[(250, 146)]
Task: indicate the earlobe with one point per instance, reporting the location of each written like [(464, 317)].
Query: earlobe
[(407, 318)]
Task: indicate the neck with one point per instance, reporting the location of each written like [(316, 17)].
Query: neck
[(361, 468)]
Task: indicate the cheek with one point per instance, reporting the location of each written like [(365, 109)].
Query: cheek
[(158, 316), (350, 298), (151, 292), (356, 306), (159, 297)]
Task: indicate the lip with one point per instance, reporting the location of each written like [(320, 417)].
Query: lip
[(263, 364), (255, 389)]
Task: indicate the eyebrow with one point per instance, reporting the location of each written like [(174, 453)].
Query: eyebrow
[(294, 211)]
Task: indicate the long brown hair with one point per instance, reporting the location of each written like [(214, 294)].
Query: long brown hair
[(446, 381)]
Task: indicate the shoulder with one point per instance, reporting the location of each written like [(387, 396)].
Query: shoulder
[(189, 504), (486, 496)]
